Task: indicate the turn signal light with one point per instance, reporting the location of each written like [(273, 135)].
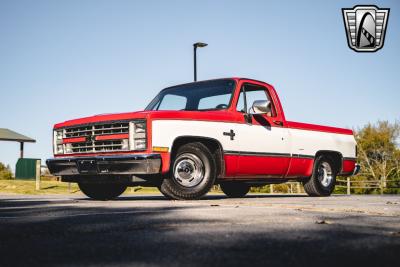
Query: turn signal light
[(160, 149)]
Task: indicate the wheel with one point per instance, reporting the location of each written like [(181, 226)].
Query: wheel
[(165, 194), (192, 174), (102, 191), (235, 189), (323, 178)]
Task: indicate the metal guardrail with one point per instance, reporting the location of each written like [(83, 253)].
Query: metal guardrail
[(367, 184), (296, 187)]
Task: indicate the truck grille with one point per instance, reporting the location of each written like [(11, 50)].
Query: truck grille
[(91, 144), (98, 129)]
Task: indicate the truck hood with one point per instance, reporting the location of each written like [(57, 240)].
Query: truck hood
[(215, 115), (103, 118)]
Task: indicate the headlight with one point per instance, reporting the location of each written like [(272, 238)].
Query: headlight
[(58, 136), (140, 127), (138, 135), (60, 149), (140, 144)]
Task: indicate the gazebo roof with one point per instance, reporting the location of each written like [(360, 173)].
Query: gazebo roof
[(8, 135)]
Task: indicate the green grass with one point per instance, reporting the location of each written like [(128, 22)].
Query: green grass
[(28, 187), (54, 187), (142, 190)]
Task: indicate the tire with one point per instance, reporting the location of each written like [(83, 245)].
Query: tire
[(323, 179), (165, 194), (193, 173), (102, 191), (235, 189)]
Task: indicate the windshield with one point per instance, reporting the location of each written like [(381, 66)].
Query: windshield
[(208, 95)]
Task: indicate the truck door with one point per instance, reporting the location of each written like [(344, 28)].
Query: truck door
[(262, 139)]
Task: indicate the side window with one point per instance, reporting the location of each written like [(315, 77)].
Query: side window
[(254, 93), (240, 104), (172, 102), (215, 102)]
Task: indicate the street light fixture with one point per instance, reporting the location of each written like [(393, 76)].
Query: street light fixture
[(195, 45)]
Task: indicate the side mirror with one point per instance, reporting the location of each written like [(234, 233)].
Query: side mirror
[(260, 107)]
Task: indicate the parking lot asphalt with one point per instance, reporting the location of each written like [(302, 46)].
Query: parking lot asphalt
[(148, 230)]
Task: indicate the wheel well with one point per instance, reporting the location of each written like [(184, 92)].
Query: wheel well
[(335, 156), (213, 145)]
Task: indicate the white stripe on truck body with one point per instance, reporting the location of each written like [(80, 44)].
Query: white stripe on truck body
[(254, 138)]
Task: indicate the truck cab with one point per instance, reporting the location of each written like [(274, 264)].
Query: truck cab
[(232, 132)]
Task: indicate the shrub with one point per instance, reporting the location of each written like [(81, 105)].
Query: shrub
[(5, 172)]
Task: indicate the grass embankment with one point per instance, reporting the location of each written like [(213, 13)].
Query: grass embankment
[(55, 187)]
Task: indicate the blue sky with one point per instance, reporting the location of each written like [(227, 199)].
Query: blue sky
[(67, 59)]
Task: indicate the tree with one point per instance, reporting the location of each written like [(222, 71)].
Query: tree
[(5, 172), (378, 151)]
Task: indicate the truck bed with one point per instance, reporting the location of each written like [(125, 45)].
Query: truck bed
[(316, 127)]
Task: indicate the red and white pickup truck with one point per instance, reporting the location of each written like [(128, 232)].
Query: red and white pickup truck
[(231, 132)]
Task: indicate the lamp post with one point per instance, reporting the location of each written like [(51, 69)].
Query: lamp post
[(195, 45)]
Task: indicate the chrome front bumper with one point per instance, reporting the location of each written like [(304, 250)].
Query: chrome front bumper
[(106, 165)]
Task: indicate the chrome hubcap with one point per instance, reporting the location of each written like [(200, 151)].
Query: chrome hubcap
[(325, 174), (188, 170)]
